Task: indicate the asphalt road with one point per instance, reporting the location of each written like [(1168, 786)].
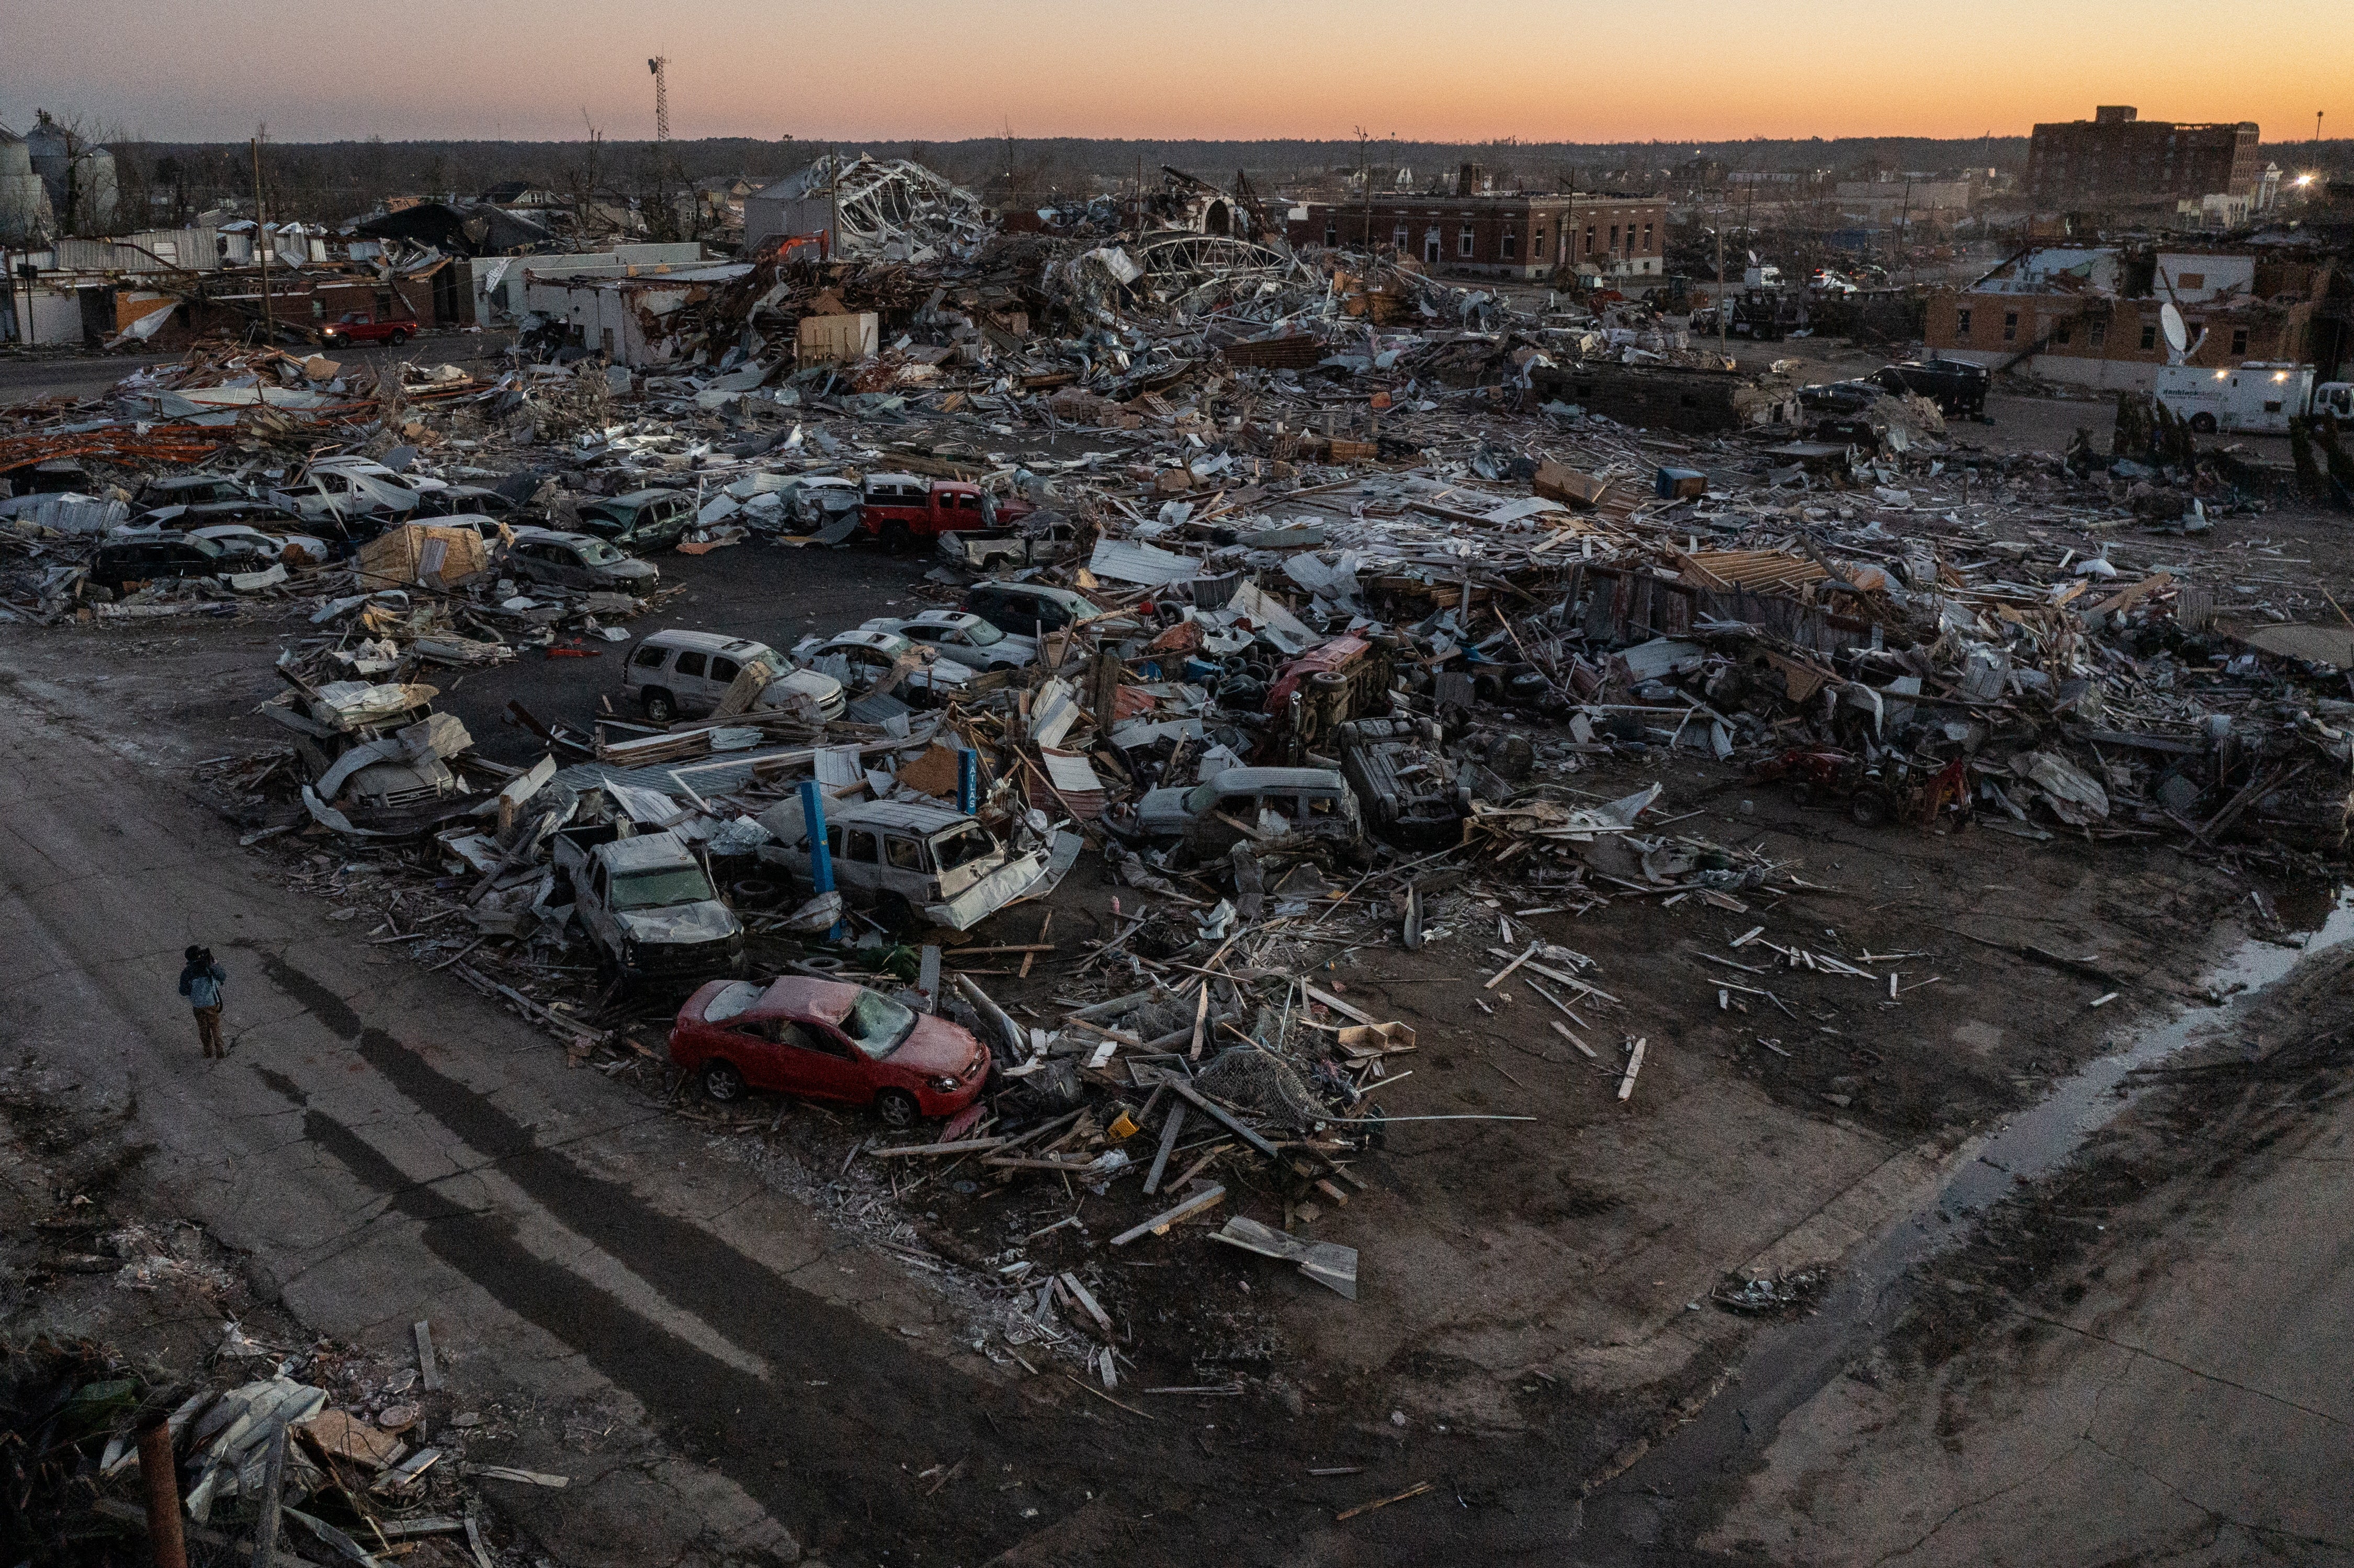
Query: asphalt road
[(27, 380), (768, 593)]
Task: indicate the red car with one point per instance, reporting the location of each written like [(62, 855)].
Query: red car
[(360, 326), (827, 1041)]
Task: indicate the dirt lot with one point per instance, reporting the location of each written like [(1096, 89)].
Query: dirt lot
[(745, 1342), (1534, 1291)]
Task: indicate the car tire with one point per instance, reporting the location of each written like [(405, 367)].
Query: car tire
[(897, 1108), (658, 706), (1802, 795), (722, 1084), (897, 539), (398, 338), (2203, 424), (1868, 809)]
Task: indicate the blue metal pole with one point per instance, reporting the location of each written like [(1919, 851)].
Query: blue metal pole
[(969, 782), (821, 857)]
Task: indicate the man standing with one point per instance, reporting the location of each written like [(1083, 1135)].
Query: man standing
[(200, 982)]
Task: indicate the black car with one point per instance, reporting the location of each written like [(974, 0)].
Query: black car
[(1957, 386), (121, 562), (465, 500), (1026, 610)]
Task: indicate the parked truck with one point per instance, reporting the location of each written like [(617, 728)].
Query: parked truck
[(901, 508), (648, 905), (2258, 398), (1037, 544)]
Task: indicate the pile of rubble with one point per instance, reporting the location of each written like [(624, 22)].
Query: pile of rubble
[(1312, 593)]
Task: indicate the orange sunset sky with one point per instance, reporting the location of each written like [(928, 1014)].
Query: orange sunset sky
[(1470, 71)]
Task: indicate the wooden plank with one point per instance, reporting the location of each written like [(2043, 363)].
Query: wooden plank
[(1225, 1118), (1634, 1065), (1501, 975), (1161, 1221), (961, 1146), (1169, 1134), (428, 1373)]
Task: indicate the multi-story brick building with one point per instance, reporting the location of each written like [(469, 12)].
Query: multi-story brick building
[(2116, 156), (1498, 234)]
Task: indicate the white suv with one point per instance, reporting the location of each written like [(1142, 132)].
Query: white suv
[(676, 672)]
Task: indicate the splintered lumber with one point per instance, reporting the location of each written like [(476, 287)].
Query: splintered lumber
[(961, 1146), (1415, 1490), (1169, 1129), (1086, 1302), (1562, 1030), (1220, 1114), (1501, 975), (1634, 1065), (428, 1375), (1160, 1223)]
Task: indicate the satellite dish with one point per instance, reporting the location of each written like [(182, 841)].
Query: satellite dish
[(2178, 336)]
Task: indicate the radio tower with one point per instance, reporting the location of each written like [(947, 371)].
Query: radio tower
[(660, 67)]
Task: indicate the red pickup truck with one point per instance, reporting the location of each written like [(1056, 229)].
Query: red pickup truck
[(901, 508), (359, 326)]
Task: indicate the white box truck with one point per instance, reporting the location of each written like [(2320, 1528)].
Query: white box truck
[(2258, 398)]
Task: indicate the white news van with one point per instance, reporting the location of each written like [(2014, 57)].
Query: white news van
[(2260, 397)]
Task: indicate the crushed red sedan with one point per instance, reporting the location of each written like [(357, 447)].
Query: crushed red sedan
[(827, 1041)]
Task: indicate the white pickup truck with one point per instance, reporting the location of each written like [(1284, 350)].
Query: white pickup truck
[(648, 905)]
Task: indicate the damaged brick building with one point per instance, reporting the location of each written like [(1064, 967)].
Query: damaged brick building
[(1482, 233)]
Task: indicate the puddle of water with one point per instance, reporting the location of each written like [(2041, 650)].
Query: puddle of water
[(1788, 1364)]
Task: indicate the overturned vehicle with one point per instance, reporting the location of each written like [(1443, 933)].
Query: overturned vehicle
[(377, 756), (914, 863)]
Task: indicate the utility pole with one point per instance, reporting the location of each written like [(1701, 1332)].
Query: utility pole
[(261, 240), (1724, 310), (832, 203)]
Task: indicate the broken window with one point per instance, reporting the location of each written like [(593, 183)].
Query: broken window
[(1614, 239), (1510, 245), (2239, 340), (1398, 235), (2098, 335), (862, 847), (1589, 240), (2060, 333), (2193, 279), (1430, 247), (1646, 237), (1536, 243), (690, 665), (1464, 242), (1332, 234), (905, 853), (2010, 326), (649, 658), (1962, 323)]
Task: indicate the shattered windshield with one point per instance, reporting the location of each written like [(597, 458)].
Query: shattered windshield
[(961, 846), (654, 889), (980, 634), (1203, 798), (598, 553), (876, 1024), (731, 1001)]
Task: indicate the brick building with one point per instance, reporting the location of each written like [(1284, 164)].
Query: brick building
[(1491, 234), (2115, 156), (2096, 324)]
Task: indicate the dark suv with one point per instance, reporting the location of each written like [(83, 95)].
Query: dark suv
[(121, 562), (1026, 610), (641, 522)]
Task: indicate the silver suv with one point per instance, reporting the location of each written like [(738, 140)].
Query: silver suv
[(673, 673)]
